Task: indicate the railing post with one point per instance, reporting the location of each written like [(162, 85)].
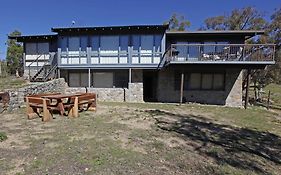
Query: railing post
[(59, 56), (79, 55), (88, 53), (119, 50), (67, 55), (99, 55)]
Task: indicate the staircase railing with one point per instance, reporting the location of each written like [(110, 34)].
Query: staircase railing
[(164, 58), (50, 61), (37, 65)]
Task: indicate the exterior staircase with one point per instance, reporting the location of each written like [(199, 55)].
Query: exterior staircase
[(46, 72)]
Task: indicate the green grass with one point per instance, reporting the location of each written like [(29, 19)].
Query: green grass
[(11, 83), (3, 136), (275, 91)]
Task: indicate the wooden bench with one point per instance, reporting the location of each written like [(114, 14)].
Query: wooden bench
[(77, 103), (35, 105)]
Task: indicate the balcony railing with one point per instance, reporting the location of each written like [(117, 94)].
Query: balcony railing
[(106, 57), (221, 52)]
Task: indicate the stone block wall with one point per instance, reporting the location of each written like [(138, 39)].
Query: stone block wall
[(103, 94), (17, 95), (231, 96)]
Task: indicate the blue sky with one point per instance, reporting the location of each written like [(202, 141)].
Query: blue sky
[(37, 17)]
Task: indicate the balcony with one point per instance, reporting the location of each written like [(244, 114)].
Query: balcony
[(109, 58), (221, 54)]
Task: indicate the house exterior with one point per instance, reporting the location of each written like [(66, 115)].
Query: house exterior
[(147, 62)]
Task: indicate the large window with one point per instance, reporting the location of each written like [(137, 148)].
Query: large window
[(136, 42), (147, 43), (73, 43), (157, 42), (84, 42), (201, 81), (62, 43), (36, 48), (124, 42), (109, 44), (95, 43)]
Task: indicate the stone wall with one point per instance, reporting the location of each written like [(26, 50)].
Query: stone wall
[(103, 94), (231, 96), (17, 95)]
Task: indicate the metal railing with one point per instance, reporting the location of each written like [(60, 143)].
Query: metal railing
[(221, 52), (118, 56)]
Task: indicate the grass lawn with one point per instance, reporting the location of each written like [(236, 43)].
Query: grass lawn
[(275, 91), (135, 138), (11, 82)]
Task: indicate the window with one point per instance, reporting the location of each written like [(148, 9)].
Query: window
[(73, 43), (36, 48), (221, 47), (84, 43), (209, 48), (219, 81), (195, 81), (103, 79), (193, 51), (62, 43), (124, 42), (109, 43), (95, 43), (136, 42), (147, 43), (31, 48), (207, 81), (200, 81), (157, 42), (43, 48)]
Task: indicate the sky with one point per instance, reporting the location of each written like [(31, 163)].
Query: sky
[(38, 16)]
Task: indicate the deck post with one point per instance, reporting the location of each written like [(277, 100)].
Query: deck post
[(181, 90), (130, 75), (89, 77), (247, 88), (58, 72)]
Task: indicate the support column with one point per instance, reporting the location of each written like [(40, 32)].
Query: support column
[(247, 88), (89, 77), (181, 90), (58, 73), (130, 75)]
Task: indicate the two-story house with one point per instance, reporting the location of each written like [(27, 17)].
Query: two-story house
[(148, 62)]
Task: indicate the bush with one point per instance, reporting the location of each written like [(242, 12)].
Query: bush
[(3, 136)]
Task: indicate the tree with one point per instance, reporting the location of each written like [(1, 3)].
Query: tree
[(275, 27), (14, 54), (247, 18), (177, 23)]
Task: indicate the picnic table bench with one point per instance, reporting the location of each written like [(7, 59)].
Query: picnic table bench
[(35, 105), (64, 102), (77, 103)]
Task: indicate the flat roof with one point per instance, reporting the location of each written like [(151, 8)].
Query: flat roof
[(111, 28), (42, 37), (246, 33)]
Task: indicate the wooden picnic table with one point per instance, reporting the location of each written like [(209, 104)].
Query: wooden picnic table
[(59, 100)]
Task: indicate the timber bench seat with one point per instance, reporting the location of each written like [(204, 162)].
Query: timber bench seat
[(79, 102), (36, 105)]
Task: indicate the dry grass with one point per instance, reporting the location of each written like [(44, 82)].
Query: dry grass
[(132, 138)]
